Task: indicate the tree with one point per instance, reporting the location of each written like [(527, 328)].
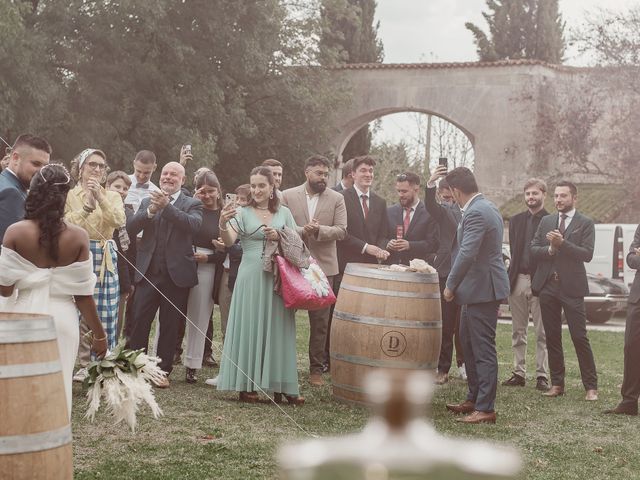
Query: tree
[(518, 29), (237, 80), (349, 35)]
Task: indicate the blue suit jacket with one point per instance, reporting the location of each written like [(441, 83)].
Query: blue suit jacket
[(423, 234), (478, 274), (12, 198)]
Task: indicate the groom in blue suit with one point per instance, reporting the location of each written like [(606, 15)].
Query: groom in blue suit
[(478, 282), (28, 155)]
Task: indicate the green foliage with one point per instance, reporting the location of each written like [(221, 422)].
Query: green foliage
[(234, 79), (531, 29), (392, 160), (349, 35)]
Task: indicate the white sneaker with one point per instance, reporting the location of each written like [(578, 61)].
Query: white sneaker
[(80, 375), (212, 381), (463, 371)]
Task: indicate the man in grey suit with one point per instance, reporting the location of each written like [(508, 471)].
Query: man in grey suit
[(28, 155), (561, 246), (478, 281), (630, 390), (347, 177)]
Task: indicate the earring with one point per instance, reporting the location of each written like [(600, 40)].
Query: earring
[(271, 196)]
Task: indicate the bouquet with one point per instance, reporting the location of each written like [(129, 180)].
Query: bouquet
[(123, 380)]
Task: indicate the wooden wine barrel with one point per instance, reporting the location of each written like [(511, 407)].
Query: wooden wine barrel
[(383, 319), (35, 433)]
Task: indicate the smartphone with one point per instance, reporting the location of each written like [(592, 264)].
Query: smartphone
[(443, 162), (230, 198), (186, 149)]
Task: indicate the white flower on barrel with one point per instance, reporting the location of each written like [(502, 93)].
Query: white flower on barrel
[(316, 279)]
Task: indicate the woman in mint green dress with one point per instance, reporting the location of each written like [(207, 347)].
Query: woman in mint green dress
[(260, 344)]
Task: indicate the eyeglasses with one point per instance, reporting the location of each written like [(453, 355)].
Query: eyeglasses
[(96, 165), (321, 174)]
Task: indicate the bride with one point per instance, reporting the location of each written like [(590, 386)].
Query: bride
[(46, 267)]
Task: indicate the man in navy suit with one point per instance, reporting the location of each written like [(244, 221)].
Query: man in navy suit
[(478, 281), (28, 155), (413, 232), (168, 220), (347, 177)]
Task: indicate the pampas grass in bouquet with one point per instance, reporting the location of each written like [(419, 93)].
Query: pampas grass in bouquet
[(123, 380)]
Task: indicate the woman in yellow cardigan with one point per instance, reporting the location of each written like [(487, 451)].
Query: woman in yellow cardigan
[(100, 212)]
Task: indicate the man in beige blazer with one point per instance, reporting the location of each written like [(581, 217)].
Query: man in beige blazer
[(321, 217)]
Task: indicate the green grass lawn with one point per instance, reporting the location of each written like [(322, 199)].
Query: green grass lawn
[(205, 434)]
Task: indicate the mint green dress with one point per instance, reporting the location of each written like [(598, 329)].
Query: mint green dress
[(261, 333)]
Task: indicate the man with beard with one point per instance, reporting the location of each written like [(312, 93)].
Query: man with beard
[(521, 270), (413, 232), (560, 247), (321, 217), (28, 155)]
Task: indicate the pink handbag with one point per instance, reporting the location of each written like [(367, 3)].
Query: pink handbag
[(304, 288)]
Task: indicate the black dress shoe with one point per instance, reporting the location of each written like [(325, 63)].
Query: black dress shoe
[(190, 376), (514, 381), (542, 384), (622, 410)]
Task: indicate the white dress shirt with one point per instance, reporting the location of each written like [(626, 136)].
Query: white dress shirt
[(138, 193), (312, 203)]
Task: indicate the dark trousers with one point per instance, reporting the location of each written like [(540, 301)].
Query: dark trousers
[(146, 303), (336, 281), (631, 382), (478, 323), (318, 333), (552, 303), (450, 331)]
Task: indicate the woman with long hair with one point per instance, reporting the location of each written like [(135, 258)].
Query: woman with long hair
[(48, 263), (200, 306), (100, 212), (260, 344)]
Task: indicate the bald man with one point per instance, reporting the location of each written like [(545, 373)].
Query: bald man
[(168, 220)]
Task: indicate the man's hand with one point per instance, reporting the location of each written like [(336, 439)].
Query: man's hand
[(448, 295), (637, 251), (184, 156), (439, 172), (201, 257), (312, 228), (158, 201), (555, 239), (219, 245), (382, 254), (373, 250), (398, 245)]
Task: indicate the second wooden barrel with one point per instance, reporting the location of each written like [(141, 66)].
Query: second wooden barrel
[(383, 319), (35, 433)]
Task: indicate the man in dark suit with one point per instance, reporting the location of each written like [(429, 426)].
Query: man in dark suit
[(367, 226), (560, 247), (166, 266), (630, 390), (522, 302), (28, 155), (347, 177), (413, 232), (447, 215), (478, 281)]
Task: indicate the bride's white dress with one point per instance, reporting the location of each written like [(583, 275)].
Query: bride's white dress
[(49, 291)]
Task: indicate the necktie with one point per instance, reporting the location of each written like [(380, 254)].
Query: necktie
[(142, 185), (365, 207), (407, 218), (562, 227)]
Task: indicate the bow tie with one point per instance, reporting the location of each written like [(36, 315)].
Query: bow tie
[(143, 185)]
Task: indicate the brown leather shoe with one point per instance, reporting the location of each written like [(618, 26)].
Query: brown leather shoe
[(554, 391), (163, 383), (465, 407), (295, 400), (315, 379), (441, 378), (248, 397), (591, 396), (478, 417), (622, 410)]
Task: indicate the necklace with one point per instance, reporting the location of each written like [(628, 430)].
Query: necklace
[(261, 208)]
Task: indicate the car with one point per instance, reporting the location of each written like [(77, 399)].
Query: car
[(606, 296)]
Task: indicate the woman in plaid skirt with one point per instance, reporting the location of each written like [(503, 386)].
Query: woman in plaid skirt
[(100, 213)]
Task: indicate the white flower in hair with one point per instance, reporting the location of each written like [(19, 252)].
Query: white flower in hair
[(316, 279)]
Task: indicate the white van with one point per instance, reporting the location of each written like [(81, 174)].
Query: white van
[(612, 244)]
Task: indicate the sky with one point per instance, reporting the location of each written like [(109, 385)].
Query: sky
[(414, 31), (433, 30)]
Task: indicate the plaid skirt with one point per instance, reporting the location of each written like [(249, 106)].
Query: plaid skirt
[(107, 291)]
